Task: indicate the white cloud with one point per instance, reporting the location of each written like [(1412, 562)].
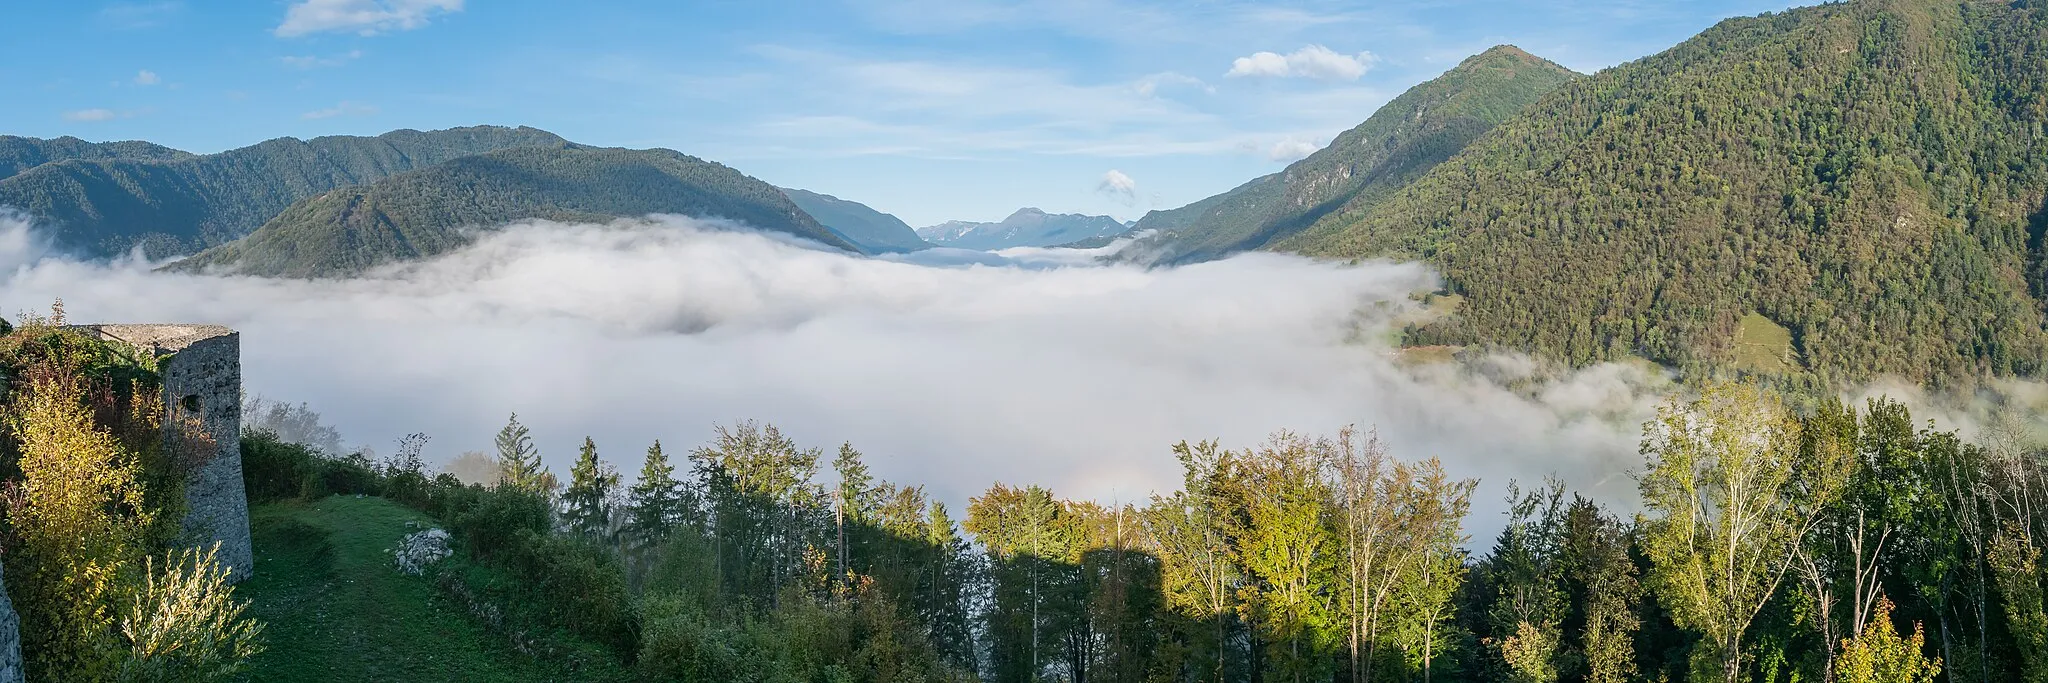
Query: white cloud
[(1291, 149), (314, 61), (1118, 186), (96, 114), (343, 109), (364, 17), (1149, 85), (1313, 62), (147, 77)]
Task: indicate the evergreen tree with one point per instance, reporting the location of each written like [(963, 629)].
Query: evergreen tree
[(656, 504), (523, 469), (587, 504)]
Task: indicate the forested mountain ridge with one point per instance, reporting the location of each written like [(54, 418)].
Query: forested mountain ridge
[(1027, 227), (1868, 175), (873, 231), (426, 212), (19, 154), (104, 199), (1399, 142)]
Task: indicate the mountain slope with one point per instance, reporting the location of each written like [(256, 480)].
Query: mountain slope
[(177, 203), (875, 232), (1865, 176), (19, 154), (1398, 143), (425, 212), (1028, 227)]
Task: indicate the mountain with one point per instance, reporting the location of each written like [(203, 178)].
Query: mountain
[(1855, 189), (873, 231), (104, 199), (1026, 228), (19, 154), (428, 211), (1398, 143)]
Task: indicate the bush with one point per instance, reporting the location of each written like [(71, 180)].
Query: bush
[(574, 585), (275, 470), (185, 624), (492, 520), (350, 475)]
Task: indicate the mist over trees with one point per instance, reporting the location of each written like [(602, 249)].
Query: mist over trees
[(1777, 541)]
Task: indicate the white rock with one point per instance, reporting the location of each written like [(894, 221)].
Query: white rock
[(419, 550)]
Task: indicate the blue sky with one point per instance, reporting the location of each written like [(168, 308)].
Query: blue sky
[(929, 109)]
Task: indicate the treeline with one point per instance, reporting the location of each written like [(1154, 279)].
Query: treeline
[(1835, 543)]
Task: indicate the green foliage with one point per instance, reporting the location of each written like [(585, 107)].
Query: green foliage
[(429, 211), (587, 503), (107, 198), (1880, 655), (1362, 166), (336, 609), (185, 624), (2017, 565), (523, 469), (273, 470), (1865, 174), (657, 504)]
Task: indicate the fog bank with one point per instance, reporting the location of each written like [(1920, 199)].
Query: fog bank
[(947, 369)]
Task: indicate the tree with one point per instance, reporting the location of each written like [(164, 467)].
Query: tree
[(79, 517), (1878, 655), (1727, 504), (1289, 551), (587, 504), (2016, 564), (523, 468), (656, 504), (1191, 530)]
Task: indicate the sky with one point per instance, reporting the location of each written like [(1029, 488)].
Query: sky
[(933, 110)]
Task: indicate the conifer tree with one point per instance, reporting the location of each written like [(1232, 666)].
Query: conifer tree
[(521, 461), (587, 508), (656, 504)]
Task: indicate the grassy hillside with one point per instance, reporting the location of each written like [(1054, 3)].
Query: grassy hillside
[(338, 610), (874, 231), (1402, 140), (426, 212), (1868, 176), (111, 197)]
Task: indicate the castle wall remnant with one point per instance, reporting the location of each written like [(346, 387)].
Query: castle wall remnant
[(10, 639), (201, 367)]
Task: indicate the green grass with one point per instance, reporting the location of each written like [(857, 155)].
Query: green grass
[(1762, 346), (338, 610)]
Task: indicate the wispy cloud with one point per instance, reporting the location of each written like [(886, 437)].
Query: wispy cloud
[(1151, 84), (342, 109), (1291, 149), (1314, 62), (364, 17), (316, 61), (97, 114), (1119, 187), (138, 15), (146, 77)]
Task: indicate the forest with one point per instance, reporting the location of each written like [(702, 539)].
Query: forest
[(1866, 175), (1777, 540)]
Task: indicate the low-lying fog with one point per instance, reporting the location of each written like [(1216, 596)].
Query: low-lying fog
[(950, 369)]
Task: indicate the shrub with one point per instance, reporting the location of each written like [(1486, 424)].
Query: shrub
[(185, 624), (276, 470), (574, 585), (492, 520), (350, 475)]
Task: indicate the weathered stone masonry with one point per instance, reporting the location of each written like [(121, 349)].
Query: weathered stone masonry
[(202, 375)]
